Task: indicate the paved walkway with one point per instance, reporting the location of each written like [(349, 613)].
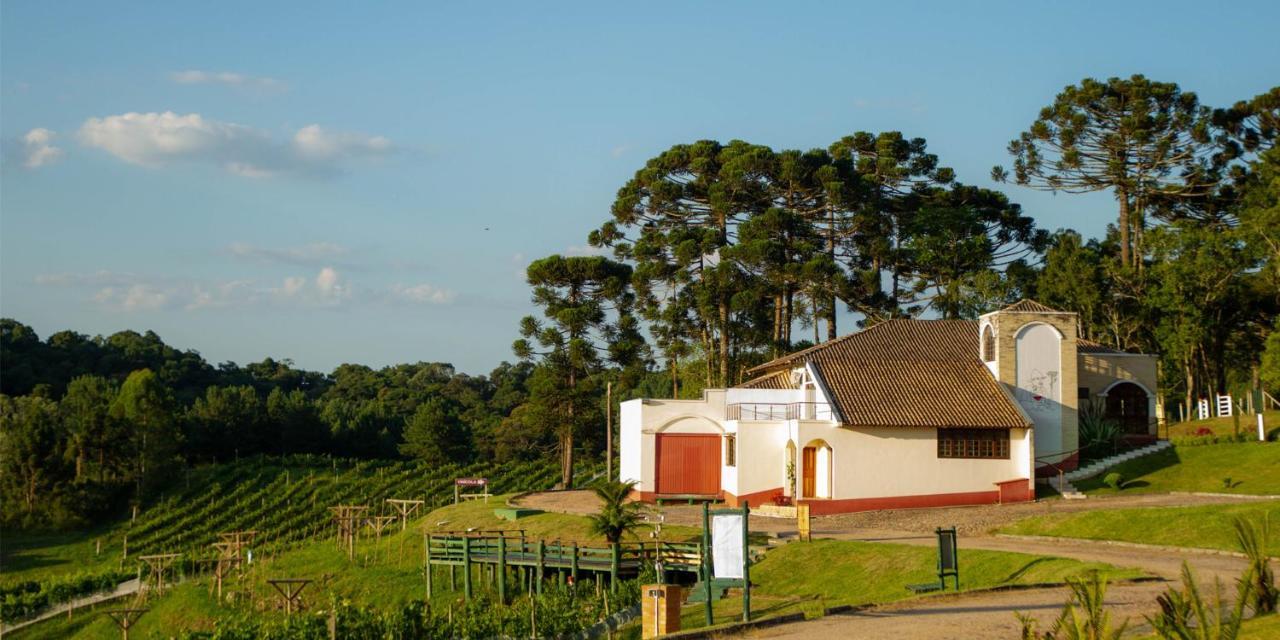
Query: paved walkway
[(126, 588), (992, 614)]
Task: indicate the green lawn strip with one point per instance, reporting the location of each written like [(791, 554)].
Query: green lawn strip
[(1251, 467), (1261, 628), (810, 577), (1227, 425), (1207, 526)]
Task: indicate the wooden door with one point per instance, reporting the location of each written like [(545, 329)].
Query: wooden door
[(808, 482), (688, 464)]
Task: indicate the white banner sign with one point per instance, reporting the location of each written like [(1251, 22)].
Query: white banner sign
[(727, 554)]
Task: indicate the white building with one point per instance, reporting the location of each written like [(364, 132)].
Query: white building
[(907, 413)]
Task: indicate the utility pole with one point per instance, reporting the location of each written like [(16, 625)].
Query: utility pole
[(608, 435)]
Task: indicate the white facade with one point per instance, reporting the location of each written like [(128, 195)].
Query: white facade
[(853, 468)]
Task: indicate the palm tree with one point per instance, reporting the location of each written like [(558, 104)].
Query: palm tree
[(617, 516)]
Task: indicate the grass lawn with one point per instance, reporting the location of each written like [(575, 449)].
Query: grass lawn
[(809, 577), (40, 556), (1226, 426), (1252, 467), (1261, 628), (1207, 527)]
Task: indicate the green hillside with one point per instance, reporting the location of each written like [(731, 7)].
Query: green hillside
[(286, 500)]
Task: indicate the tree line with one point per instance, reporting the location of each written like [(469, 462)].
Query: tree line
[(722, 256)]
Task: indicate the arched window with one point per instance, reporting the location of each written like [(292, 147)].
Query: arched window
[(988, 344)]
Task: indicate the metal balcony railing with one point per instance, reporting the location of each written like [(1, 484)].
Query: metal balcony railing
[(773, 411)]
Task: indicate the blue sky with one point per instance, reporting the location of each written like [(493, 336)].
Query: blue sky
[(365, 182)]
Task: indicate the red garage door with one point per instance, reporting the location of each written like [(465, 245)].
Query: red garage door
[(688, 464)]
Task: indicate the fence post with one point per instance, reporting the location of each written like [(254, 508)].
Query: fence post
[(746, 563), (426, 546), (573, 563), (502, 569), (542, 562), (613, 566), (466, 568), (706, 561)]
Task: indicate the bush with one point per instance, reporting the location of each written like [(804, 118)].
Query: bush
[(1098, 433), (1114, 480)]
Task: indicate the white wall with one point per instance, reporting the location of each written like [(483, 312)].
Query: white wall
[(884, 462), (1039, 382), (630, 448), (642, 420)]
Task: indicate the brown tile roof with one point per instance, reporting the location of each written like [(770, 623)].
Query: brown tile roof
[(1026, 305), (910, 373), (780, 379)]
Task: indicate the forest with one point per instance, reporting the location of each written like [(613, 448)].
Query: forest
[(719, 256)]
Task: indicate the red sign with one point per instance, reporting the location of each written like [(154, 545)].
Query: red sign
[(471, 482)]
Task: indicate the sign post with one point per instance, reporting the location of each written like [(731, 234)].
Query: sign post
[(727, 558), (483, 483), (1258, 406)]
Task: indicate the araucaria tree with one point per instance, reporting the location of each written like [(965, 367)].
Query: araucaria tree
[(1147, 142), (586, 304)]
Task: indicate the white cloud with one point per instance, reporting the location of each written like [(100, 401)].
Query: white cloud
[(422, 293), (313, 142), (139, 297), (160, 139), (306, 255), (229, 78), (328, 288), (38, 149), (620, 150)]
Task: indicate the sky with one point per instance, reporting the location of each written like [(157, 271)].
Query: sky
[(366, 182)]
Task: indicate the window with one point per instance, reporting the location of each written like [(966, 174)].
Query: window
[(730, 450), (988, 344), (973, 443), (1083, 393)]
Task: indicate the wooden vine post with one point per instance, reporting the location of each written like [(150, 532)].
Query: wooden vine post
[(158, 565), (348, 518), (124, 619), (290, 590), (406, 509)]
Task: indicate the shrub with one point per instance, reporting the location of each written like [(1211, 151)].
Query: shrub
[(1188, 614), (1098, 432), (1114, 480), (1204, 431), (1253, 542)]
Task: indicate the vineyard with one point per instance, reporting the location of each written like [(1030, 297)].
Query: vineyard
[(286, 500)]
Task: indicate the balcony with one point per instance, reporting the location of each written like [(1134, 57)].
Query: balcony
[(776, 411)]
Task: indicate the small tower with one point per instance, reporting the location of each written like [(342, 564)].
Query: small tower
[(1031, 349)]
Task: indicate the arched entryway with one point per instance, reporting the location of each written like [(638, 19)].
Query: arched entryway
[(815, 470), (1128, 404)]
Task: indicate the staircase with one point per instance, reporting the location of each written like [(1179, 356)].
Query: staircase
[(1067, 490), (1063, 483), (1098, 466)]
